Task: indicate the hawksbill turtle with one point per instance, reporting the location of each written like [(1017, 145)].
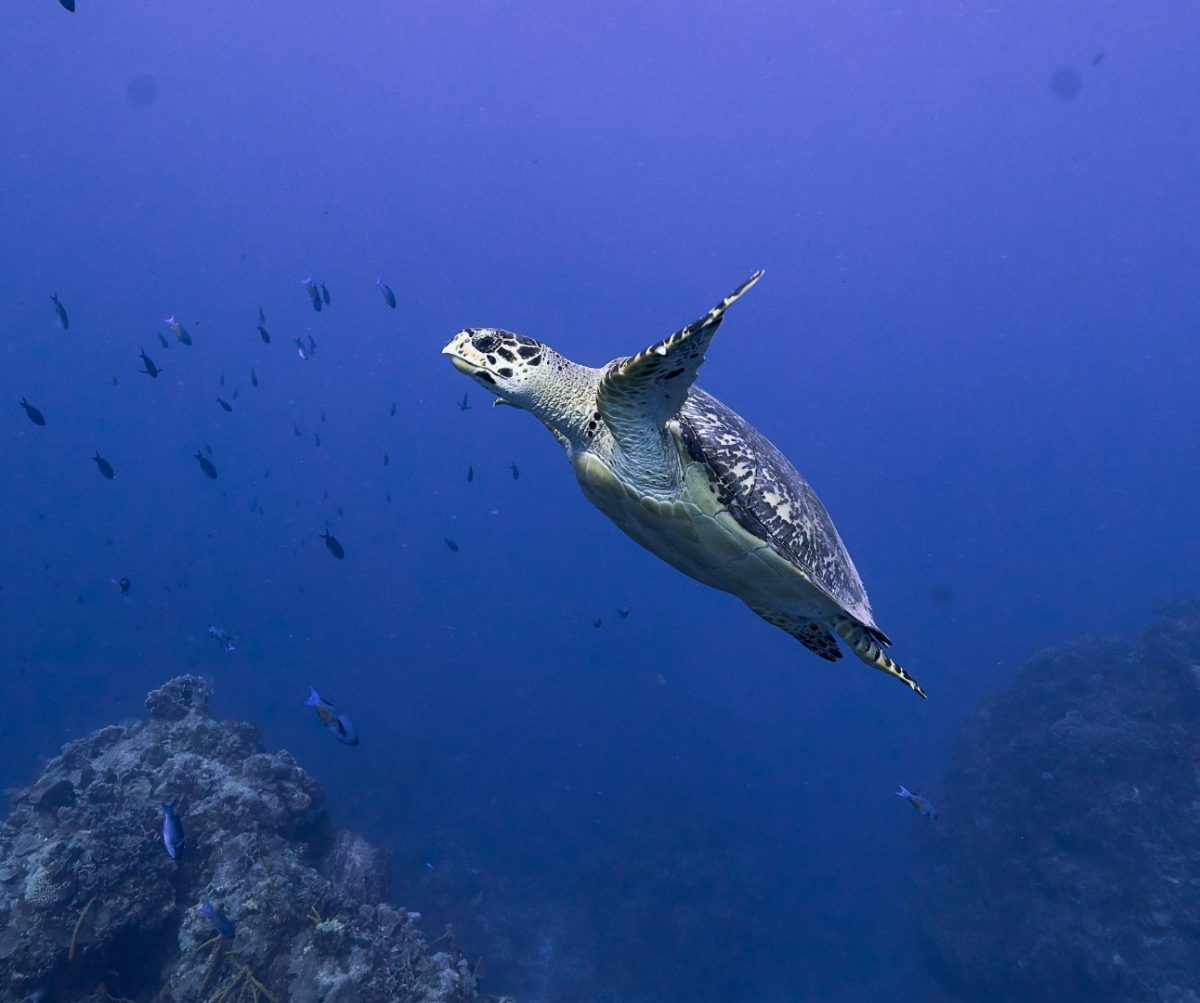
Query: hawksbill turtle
[(690, 479)]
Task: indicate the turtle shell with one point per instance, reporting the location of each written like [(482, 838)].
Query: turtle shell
[(770, 499)]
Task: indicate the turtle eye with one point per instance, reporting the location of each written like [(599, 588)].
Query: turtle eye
[(484, 342)]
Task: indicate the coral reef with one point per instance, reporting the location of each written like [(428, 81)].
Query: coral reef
[(1066, 865), (93, 908)]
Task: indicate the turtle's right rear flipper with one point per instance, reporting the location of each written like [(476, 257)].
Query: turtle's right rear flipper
[(813, 635)]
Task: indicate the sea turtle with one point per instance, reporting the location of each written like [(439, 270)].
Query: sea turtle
[(689, 479)]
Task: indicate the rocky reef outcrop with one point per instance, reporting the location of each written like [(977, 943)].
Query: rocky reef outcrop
[(1066, 863), (93, 908)]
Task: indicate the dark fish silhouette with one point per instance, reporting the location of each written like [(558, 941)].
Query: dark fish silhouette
[(162, 338), (225, 405), (451, 544), (60, 309), (386, 460), (470, 473), (105, 467), (313, 294), (597, 622), (317, 438), (463, 405), (300, 348), (206, 465), (1097, 59), (253, 378), (296, 429), (312, 345), (68, 5), (208, 449), (623, 611), (124, 584), (393, 409), (262, 333), (324, 294), (262, 317), (515, 472), (35, 415), (150, 369), (322, 417), (389, 496), (389, 297), (334, 546)]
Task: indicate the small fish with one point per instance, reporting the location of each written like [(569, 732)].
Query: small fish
[(388, 493), (470, 473), (451, 544), (340, 512), (150, 369), (124, 584), (296, 430), (463, 405), (923, 805), (385, 459), (322, 417), (254, 505), (312, 345), (178, 330), (206, 465), (515, 472), (623, 611), (114, 381), (313, 294), (339, 725), (262, 317), (597, 622), (222, 380), (105, 467), (172, 830), (225, 405), (393, 409), (300, 349), (334, 546), (221, 636), (324, 294), (317, 438), (35, 415), (208, 449), (389, 297), (253, 378), (61, 311), (262, 333), (221, 923)]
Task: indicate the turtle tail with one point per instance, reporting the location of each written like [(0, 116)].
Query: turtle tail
[(865, 643)]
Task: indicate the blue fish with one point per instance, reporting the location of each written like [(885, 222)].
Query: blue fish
[(339, 724), (221, 923), (173, 837), (923, 805)]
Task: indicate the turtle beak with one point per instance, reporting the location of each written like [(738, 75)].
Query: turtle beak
[(459, 363)]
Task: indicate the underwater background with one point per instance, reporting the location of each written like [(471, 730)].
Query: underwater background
[(976, 337)]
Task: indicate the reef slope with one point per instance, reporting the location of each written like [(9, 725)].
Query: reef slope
[(92, 907)]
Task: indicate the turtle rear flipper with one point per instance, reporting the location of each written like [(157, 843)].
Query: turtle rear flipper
[(864, 643), (814, 636)]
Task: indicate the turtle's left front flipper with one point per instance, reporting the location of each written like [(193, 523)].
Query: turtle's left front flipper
[(647, 389)]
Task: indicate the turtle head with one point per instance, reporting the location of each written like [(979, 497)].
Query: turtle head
[(507, 364)]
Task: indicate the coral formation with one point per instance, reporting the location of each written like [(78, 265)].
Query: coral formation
[(92, 907), (1065, 865)]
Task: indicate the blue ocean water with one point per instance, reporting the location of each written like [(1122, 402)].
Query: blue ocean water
[(976, 338)]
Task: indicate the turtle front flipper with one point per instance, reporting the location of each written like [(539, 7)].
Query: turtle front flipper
[(865, 644), (813, 635), (640, 393)]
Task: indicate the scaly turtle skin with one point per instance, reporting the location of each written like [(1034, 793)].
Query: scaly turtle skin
[(689, 479)]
